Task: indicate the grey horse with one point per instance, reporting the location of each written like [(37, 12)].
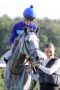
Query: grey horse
[(16, 76)]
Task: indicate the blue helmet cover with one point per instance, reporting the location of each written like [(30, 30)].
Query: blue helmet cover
[(29, 12)]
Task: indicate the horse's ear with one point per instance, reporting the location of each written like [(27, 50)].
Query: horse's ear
[(37, 30), (25, 29)]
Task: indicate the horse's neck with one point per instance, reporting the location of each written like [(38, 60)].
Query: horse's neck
[(17, 57), (18, 51)]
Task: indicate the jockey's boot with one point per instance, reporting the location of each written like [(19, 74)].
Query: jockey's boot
[(6, 61)]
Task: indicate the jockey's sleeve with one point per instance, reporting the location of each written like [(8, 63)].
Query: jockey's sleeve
[(13, 35), (53, 68), (16, 30)]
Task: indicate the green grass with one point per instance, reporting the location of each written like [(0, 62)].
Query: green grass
[(2, 85)]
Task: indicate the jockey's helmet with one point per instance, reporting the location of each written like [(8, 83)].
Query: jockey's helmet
[(29, 13)]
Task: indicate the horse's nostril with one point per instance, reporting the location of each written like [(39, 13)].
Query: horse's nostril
[(37, 58)]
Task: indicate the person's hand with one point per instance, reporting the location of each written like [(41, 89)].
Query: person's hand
[(40, 61)]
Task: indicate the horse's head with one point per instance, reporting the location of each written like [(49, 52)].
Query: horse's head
[(31, 42)]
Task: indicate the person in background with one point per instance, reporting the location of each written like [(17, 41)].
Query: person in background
[(48, 72), (18, 29)]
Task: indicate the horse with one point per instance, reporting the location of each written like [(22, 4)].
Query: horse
[(16, 76)]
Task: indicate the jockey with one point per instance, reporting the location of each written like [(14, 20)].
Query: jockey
[(29, 16), (18, 29)]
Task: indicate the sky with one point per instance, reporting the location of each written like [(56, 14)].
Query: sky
[(43, 8)]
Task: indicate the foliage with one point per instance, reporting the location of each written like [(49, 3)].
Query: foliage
[(6, 25), (2, 85)]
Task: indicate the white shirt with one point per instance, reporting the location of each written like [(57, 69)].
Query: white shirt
[(49, 71), (53, 68), (44, 62)]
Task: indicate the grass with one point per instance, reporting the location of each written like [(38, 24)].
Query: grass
[(2, 85)]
